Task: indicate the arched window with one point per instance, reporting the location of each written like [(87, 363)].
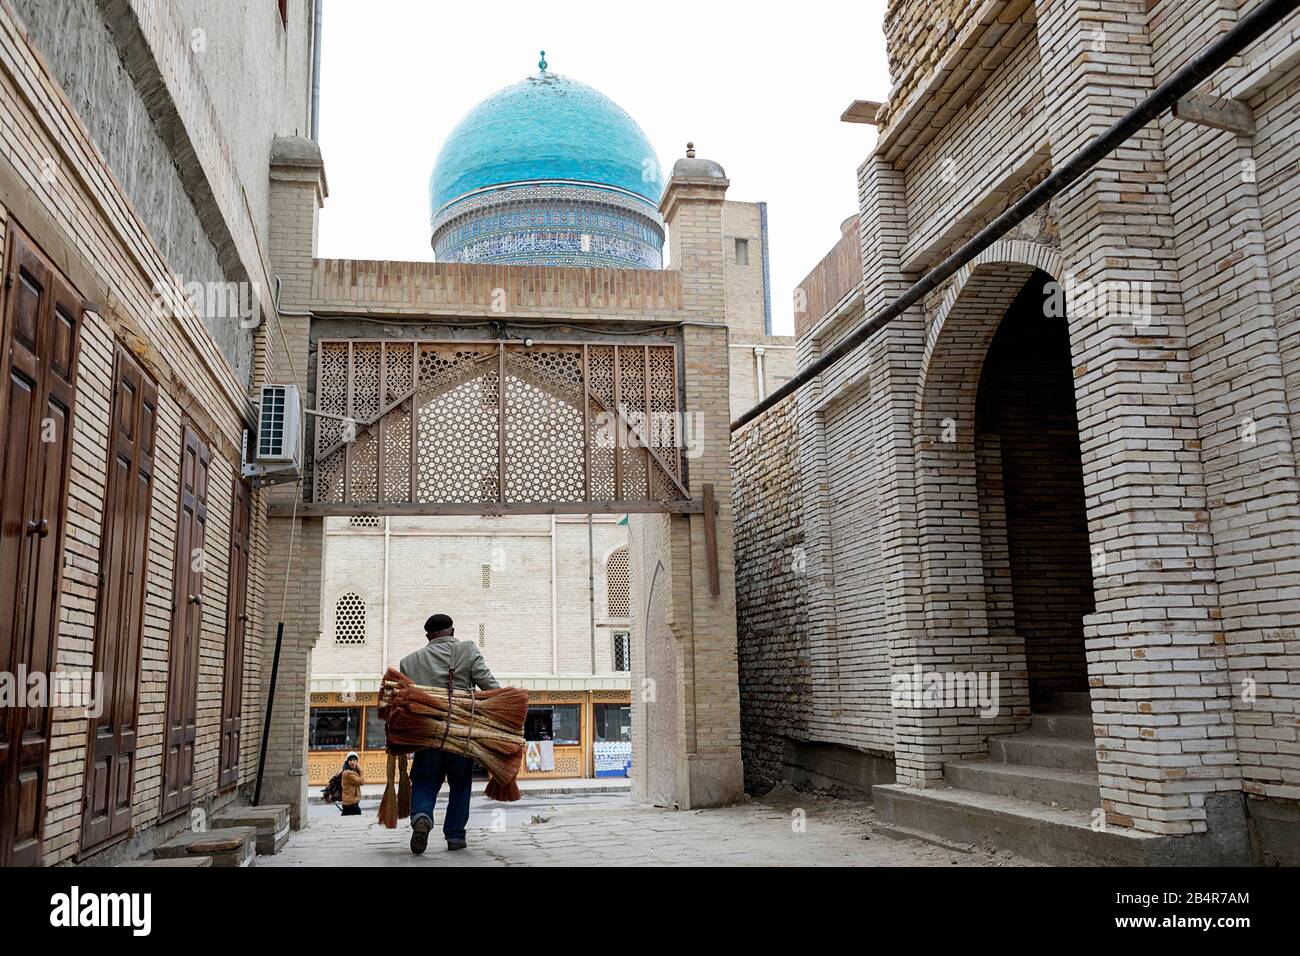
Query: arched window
[(618, 584), (350, 619)]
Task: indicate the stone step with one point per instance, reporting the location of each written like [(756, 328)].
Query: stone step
[(957, 818), (1072, 726), (173, 861), (229, 846), (270, 821), (1071, 789), (1065, 702), (1037, 750)]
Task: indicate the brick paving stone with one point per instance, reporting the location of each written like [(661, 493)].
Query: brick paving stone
[(757, 832)]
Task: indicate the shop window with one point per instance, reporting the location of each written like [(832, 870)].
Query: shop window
[(613, 722), (350, 620), (375, 739), (334, 728), (618, 584), (560, 723), (622, 651)]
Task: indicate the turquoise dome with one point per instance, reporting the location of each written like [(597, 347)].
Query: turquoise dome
[(546, 128)]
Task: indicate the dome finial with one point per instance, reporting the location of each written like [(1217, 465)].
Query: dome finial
[(541, 64), (690, 150)]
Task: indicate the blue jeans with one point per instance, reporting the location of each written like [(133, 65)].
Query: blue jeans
[(429, 768)]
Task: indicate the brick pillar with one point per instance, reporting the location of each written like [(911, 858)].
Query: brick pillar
[(294, 598), (1160, 696), (705, 698), (1249, 424), (893, 358)]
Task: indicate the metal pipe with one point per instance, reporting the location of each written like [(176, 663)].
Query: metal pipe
[(591, 587), (387, 548), (270, 707), (1248, 29), (555, 607), (315, 69)]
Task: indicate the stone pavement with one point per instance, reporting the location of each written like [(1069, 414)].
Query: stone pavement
[(540, 786), (783, 828)]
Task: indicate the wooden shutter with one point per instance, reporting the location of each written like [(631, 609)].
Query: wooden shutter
[(187, 622), (119, 616), (38, 356), (232, 691)]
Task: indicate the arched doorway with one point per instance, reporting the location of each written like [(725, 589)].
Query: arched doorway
[(1001, 517), (1029, 475)]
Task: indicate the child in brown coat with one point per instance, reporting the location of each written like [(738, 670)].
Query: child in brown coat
[(351, 802)]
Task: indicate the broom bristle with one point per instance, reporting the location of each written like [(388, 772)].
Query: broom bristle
[(503, 792), (403, 789), (486, 726)]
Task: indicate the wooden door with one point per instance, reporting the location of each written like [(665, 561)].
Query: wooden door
[(187, 621), (38, 356), (236, 625), (119, 617)]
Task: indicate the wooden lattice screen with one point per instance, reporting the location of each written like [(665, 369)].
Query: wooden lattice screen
[(504, 422)]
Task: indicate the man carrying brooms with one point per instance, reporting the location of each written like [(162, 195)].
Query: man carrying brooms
[(443, 656)]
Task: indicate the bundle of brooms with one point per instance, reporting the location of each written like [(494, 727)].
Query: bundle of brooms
[(484, 725)]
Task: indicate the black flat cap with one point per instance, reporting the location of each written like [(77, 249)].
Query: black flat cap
[(436, 623)]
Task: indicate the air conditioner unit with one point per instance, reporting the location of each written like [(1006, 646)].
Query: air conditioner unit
[(277, 452)]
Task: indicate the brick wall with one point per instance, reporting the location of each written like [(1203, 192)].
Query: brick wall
[(469, 289), (771, 602), (1185, 421), (831, 280), (61, 178), (436, 564)]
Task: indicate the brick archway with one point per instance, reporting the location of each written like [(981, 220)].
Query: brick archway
[(965, 564)]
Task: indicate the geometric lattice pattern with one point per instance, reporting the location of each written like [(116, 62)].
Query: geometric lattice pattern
[(464, 422), (618, 584), (350, 620)]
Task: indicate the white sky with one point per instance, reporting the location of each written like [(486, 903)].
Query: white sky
[(758, 87)]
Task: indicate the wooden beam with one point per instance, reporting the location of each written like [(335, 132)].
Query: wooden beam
[(683, 506), (711, 538), (861, 111), (1218, 112)]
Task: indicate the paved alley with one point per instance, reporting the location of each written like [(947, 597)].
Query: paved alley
[(784, 828)]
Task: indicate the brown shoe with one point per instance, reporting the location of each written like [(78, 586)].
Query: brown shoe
[(420, 828), (456, 844)]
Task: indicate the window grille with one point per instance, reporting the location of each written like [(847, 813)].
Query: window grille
[(618, 582), (622, 651), (350, 620)]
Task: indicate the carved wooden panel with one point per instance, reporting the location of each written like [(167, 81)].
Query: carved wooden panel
[(496, 422)]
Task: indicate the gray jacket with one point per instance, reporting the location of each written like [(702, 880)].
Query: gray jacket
[(429, 665)]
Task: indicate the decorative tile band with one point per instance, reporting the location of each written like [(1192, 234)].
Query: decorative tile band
[(553, 225)]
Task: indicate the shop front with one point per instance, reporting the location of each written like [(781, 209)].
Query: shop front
[(569, 734)]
